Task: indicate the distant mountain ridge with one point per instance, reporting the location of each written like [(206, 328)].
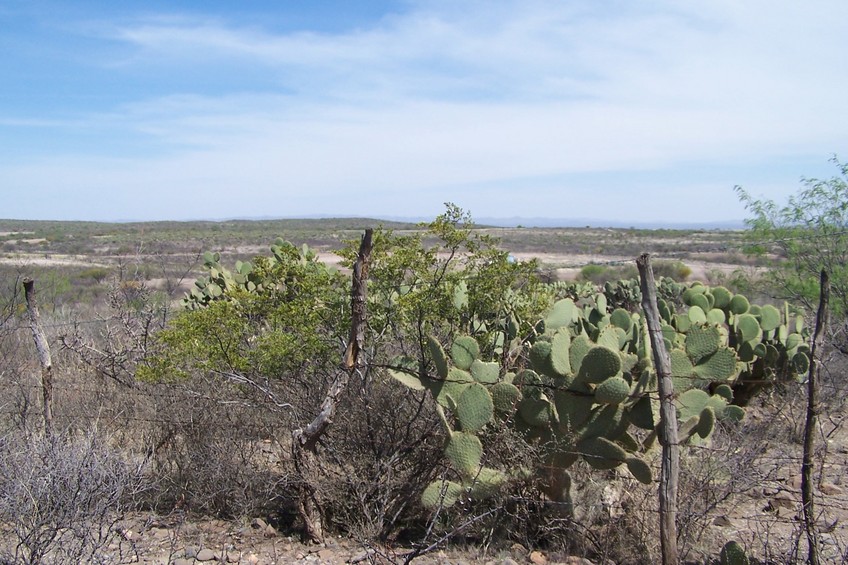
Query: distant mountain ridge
[(536, 222)]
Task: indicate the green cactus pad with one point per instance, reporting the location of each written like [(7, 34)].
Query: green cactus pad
[(504, 397), (745, 352), (560, 348), (621, 319), (407, 378), (716, 316), (611, 337), (719, 366), (681, 370), (739, 304), (696, 314), (613, 390), (487, 483), (474, 408), (573, 409), (460, 295), (465, 452), (601, 453), (747, 327), (733, 413), (447, 392), (440, 359), (607, 421), (464, 351), (721, 297), (599, 364), (706, 422), (432, 497), (580, 346), (733, 554), (725, 392), (563, 313), (702, 301), (665, 311), (793, 341), (530, 383), (702, 341), (691, 403), (642, 414), (540, 356), (485, 372), (639, 469), (769, 318), (536, 412), (801, 363)]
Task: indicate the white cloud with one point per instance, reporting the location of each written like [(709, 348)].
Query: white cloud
[(473, 97)]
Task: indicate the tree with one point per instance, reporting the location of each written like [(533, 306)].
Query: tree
[(803, 237)]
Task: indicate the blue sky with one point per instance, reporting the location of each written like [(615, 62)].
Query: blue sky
[(613, 110)]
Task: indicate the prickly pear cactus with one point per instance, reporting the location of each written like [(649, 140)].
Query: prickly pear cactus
[(587, 378), (219, 282)]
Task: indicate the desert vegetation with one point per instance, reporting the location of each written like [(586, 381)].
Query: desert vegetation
[(486, 391)]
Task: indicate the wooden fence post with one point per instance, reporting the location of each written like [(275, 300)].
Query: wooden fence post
[(43, 348), (668, 415), (306, 439), (811, 423)]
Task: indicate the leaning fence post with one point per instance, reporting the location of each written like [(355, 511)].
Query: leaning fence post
[(668, 415), (811, 424), (43, 349)]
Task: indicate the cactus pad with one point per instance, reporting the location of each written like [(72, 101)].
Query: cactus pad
[(485, 372), (560, 348), (440, 360), (702, 341), (474, 408), (504, 397), (599, 364), (601, 453), (613, 390), (639, 469), (464, 351), (441, 493), (465, 452)]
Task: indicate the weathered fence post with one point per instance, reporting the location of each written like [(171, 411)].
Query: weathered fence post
[(43, 349), (305, 440), (668, 415), (811, 424)]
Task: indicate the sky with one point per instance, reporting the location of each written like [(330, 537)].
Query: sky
[(610, 110)]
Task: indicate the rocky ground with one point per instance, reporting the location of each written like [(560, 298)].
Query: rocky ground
[(148, 540)]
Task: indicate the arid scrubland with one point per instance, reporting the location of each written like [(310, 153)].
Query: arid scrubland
[(172, 428)]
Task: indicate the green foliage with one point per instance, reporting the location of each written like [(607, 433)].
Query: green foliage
[(733, 554), (284, 326), (807, 234)]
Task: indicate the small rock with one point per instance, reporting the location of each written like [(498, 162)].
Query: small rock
[(258, 524), (191, 551), (576, 560), (508, 561), (205, 554), (269, 531), (538, 558), (326, 554), (252, 558), (182, 561), (830, 489), (722, 521)]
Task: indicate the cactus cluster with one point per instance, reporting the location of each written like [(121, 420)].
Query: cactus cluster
[(220, 281), (767, 342), (588, 379)]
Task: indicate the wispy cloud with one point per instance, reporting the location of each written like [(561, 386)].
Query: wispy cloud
[(476, 99)]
